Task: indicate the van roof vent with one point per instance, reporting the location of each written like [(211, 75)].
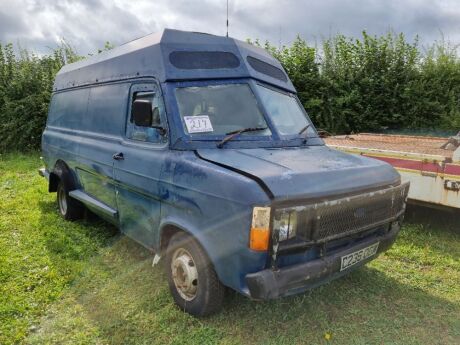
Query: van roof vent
[(266, 68), (203, 60)]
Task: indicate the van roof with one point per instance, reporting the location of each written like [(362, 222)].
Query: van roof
[(176, 55)]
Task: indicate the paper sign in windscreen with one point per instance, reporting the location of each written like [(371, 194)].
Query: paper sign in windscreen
[(198, 124)]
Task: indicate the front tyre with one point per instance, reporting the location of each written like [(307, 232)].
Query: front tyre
[(192, 280), (69, 209)]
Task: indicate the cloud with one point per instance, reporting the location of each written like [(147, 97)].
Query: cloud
[(10, 26), (87, 24)]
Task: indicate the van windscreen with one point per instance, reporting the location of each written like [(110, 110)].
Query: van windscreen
[(219, 109)]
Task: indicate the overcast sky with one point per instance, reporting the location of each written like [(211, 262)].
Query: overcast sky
[(87, 24)]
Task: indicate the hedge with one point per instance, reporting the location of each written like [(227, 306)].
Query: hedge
[(375, 83), (346, 84)]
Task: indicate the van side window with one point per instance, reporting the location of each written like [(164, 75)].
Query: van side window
[(147, 134), (68, 109), (106, 109)]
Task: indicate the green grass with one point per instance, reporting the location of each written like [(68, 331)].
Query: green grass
[(83, 283)]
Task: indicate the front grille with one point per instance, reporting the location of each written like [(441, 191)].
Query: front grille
[(332, 219)]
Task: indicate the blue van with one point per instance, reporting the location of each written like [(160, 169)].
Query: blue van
[(197, 147)]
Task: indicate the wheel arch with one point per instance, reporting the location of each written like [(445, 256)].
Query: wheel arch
[(62, 172), (168, 229)]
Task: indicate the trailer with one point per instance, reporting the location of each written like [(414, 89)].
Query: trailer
[(431, 164)]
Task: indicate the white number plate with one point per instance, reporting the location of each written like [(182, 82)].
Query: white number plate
[(360, 255), (198, 124)]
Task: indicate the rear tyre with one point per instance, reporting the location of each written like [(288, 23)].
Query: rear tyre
[(192, 280), (69, 208)]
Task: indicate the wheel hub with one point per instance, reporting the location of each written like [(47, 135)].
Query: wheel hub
[(185, 274)]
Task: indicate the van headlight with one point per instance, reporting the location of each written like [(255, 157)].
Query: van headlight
[(285, 222)]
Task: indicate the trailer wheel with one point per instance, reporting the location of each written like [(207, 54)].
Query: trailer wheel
[(192, 280), (69, 209)]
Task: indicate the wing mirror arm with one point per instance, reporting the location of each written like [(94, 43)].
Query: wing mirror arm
[(160, 129)]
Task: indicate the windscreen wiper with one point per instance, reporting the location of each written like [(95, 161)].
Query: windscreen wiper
[(304, 130), (233, 134)]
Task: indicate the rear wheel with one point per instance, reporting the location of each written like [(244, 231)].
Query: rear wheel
[(192, 280), (69, 209)]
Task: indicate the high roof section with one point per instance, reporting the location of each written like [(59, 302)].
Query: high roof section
[(176, 55)]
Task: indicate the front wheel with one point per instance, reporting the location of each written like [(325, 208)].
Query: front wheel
[(69, 209), (192, 280)]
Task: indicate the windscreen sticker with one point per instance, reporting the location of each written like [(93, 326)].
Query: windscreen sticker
[(198, 124)]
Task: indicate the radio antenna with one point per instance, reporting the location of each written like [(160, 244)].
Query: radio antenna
[(227, 18)]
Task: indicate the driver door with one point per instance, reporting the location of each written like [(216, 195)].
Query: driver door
[(138, 168)]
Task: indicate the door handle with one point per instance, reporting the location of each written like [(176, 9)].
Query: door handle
[(118, 156)]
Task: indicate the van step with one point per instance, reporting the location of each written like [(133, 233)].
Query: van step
[(92, 202)]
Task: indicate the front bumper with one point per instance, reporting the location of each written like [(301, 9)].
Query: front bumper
[(270, 283)]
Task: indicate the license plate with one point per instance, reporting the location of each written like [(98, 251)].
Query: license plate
[(360, 255)]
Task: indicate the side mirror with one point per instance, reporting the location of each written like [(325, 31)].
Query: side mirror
[(141, 113)]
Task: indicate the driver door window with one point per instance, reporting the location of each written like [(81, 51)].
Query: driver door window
[(140, 133)]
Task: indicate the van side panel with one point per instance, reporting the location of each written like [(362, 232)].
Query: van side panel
[(61, 139), (101, 136), (212, 203), (84, 130)]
